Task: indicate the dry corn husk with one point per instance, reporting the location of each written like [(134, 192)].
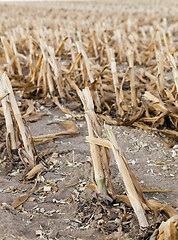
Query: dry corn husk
[(19, 200)]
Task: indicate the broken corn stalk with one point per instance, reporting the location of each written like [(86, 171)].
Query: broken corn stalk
[(174, 69), (17, 115), (7, 114)]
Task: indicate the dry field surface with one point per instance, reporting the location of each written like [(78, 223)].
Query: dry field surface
[(89, 120)]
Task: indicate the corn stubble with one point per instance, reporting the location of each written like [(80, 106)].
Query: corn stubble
[(99, 154), (122, 69), (14, 120)]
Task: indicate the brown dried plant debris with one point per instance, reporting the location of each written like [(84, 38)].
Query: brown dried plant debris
[(127, 58)]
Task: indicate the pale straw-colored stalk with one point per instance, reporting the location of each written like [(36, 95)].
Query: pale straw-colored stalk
[(92, 35), (160, 63), (115, 80), (174, 69), (107, 46), (31, 55), (44, 74), (17, 115), (120, 43), (8, 54), (96, 98), (159, 41), (7, 115), (16, 54), (130, 57), (131, 190), (57, 72), (87, 63), (50, 80), (92, 124)]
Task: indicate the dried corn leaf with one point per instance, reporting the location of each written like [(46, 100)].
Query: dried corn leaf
[(69, 185), (37, 169), (70, 127), (157, 105), (19, 200), (169, 230), (31, 115), (65, 110), (158, 207)]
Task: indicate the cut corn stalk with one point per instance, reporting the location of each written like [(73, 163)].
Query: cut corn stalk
[(17, 115), (160, 63), (115, 81), (95, 96), (174, 69), (57, 73), (130, 56), (49, 79), (16, 55), (128, 180), (9, 54), (133, 188), (93, 129), (7, 115), (87, 63)]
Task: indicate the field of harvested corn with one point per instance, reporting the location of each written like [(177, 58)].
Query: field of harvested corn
[(89, 120)]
